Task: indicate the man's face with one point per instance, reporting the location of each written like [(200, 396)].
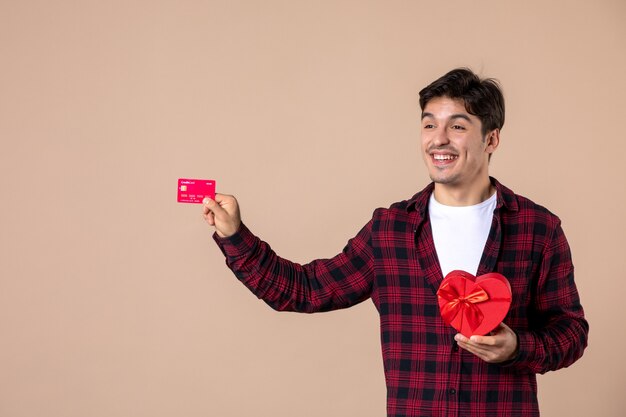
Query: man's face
[(453, 147)]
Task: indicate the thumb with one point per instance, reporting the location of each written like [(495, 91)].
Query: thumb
[(498, 329), (212, 204), (223, 206), (502, 327)]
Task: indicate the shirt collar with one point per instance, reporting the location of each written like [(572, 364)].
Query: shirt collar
[(505, 198)]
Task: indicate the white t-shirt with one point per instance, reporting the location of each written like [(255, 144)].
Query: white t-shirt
[(460, 233)]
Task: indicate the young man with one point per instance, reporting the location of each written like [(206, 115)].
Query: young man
[(463, 220)]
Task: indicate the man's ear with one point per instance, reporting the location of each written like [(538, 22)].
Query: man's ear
[(492, 140)]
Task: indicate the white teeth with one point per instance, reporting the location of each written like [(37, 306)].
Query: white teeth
[(443, 157)]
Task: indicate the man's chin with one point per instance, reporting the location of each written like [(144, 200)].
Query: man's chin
[(441, 179)]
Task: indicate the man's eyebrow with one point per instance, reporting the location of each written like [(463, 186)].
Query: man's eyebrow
[(461, 116), (452, 117)]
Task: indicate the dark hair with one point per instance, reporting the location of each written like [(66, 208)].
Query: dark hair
[(482, 98)]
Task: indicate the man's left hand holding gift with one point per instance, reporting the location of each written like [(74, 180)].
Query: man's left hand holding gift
[(499, 346)]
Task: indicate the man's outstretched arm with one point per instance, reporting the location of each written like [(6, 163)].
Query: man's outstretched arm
[(321, 285)]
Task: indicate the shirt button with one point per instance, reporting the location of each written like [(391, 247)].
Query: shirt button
[(455, 347), (452, 391)]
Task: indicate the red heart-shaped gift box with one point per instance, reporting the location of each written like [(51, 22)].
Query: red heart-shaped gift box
[(474, 306)]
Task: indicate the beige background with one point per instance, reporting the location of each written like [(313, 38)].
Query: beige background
[(114, 301)]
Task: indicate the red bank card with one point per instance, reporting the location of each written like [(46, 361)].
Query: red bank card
[(194, 191)]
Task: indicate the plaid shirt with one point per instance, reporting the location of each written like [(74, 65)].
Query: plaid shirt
[(393, 261)]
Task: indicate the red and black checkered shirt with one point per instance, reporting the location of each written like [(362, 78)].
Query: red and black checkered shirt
[(393, 261)]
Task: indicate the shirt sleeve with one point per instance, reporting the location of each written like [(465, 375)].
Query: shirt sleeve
[(558, 329), (321, 285)]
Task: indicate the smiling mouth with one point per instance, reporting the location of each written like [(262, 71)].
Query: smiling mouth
[(439, 157), (442, 160)]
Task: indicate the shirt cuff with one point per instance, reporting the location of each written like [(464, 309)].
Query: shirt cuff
[(525, 348), (240, 244)]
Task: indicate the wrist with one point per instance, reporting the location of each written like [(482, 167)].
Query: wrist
[(229, 231)]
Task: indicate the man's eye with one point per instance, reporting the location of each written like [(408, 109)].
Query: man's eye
[(458, 127), (428, 126)]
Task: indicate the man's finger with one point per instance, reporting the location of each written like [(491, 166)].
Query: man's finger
[(222, 198), (486, 354), (480, 352), (484, 340), (476, 340), (210, 218), (502, 327), (213, 206)]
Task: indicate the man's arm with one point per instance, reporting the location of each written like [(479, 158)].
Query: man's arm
[(322, 285), (559, 330)]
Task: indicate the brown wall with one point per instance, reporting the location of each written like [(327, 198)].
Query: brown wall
[(114, 301)]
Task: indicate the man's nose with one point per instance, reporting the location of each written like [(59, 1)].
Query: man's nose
[(441, 137)]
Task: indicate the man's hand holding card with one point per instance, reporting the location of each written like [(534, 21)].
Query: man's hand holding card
[(223, 213), (219, 210)]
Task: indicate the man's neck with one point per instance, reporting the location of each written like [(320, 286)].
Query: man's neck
[(463, 195)]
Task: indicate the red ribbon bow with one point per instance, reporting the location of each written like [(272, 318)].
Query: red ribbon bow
[(464, 304)]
